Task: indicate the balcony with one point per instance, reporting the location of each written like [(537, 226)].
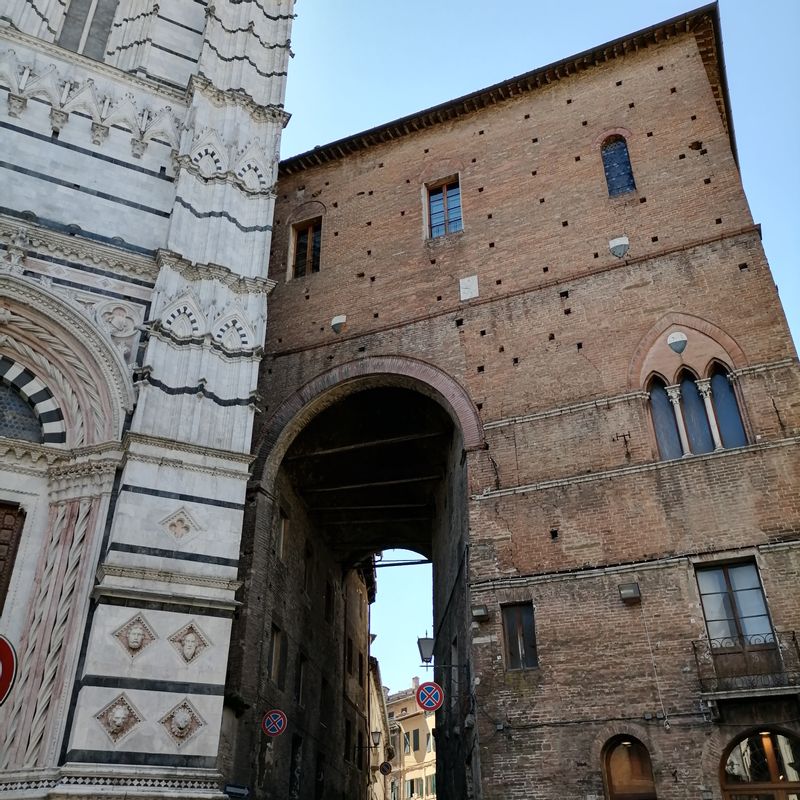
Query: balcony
[(749, 666)]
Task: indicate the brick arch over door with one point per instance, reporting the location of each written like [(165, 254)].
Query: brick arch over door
[(329, 387)]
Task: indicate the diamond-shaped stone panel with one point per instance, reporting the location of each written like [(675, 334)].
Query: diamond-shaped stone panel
[(118, 718), (190, 642), (182, 723), (135, 636), (180, 524)]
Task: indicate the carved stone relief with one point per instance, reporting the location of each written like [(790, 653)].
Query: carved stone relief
[(180, 524), (135, 636), (118, 718), (182, 723), (189, 642)]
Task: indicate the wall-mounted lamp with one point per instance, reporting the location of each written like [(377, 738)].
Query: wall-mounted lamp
[(629, 594), (480, 613), (425, 645)]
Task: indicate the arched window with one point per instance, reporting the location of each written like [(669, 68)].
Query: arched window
[(726, 409), (17, 418), (695, 416), (669, 443), (763, 765), (628, 771), (617, 166)]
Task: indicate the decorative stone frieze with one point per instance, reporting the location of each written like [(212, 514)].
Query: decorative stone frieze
[(180, 524)]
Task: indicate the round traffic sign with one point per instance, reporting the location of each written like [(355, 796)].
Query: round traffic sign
[(274, 722), (8, 668), (385, 768), (430, 696)]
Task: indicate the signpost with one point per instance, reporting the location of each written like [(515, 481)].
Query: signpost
[(274, 722), (430, 696), (8, 668)]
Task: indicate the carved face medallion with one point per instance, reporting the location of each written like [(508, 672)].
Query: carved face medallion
[(182, 723), (118, 718), (190, 642), (135, 635)]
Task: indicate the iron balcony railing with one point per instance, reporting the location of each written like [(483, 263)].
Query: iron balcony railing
[(748, 663)]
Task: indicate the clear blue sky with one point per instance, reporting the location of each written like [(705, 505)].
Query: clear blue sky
[(363, 62)]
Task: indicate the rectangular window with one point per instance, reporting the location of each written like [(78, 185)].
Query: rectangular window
[(348, 740), (734, 607), (348, 656), (307, 247), (325, 704), (12, 518), (361, 669), (360, 751), (409, 788), (329, 595), (277, 657), (520, 636), (415, 737), (430, 785), (406, 742), (86, 27), (428, 743), (308, 568), (444, 208), (281, 534), (299, 679)]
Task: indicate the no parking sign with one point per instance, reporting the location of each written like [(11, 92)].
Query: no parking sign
[(274, 722), (8, 668), (430, 696)]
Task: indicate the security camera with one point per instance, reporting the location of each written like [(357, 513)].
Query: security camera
[(338, 323)]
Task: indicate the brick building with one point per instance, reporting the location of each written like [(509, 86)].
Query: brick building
[(531, 333)]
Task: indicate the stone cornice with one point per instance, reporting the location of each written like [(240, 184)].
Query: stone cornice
[(83, 250), (166, 576), (238, 97), (204, 272), (11, 34), (171, 445), (185, 162)]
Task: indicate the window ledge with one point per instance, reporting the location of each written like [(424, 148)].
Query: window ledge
[(440, 241)]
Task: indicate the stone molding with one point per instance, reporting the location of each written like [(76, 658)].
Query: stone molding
[(89, 65), (166, 576), (239, 97), (238, 284), (83, 250), (491, 494), (132, 438), (131, 596)]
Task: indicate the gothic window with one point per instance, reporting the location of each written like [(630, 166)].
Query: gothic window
[(764, 764), (307, 247), (12, 518), (726, 409), (617, 166), (444, 208), (17, 418), (628, 771), (695, 416), (87, 25), (669, 443)]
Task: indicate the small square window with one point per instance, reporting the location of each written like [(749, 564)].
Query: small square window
[(306, 247), (276, 666), (444, 208), (520, 636)]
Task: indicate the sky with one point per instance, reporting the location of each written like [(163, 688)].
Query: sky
[(360, 63)]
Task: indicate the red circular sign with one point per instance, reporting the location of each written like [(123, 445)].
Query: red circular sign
[(430, 696), (8, 668), (274, 722)]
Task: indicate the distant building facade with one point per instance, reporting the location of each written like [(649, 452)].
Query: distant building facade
[(414, 744)]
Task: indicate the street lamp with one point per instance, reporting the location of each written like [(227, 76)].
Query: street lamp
[(425, 645), (376, 738)]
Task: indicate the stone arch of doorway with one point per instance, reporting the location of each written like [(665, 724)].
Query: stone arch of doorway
[(329, 387)]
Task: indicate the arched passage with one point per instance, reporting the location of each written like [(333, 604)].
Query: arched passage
[(363, 458)]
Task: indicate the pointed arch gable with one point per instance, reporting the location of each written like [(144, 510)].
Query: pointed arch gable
[(183, 309), (90, 384), (652, 354), (330, 386)]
